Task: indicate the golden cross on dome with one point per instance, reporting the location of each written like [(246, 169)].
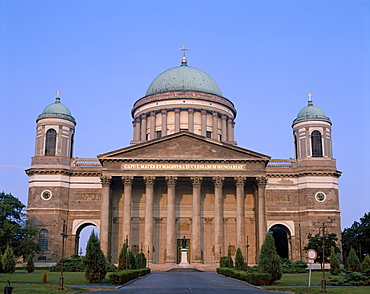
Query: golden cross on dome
[(58, 94), (184, 49)]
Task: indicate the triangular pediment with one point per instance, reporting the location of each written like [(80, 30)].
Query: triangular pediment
[(183, 146)]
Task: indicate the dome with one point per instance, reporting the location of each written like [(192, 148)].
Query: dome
[(311, 112), (57, 109), (184, 78)]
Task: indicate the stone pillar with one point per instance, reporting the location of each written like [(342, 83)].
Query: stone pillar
[(149, 193), (196, 254), (127, 191), (219, 232), (230, 130), (105, 215), (204, 123), (240, 212), (215, 126), (261, 183), (164, 122), (191, 120), (177, 120), (171, 221), (223, 128), (152, 125), (137, 129), (143, 127)]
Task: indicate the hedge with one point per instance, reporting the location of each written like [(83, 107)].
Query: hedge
[(124, 276), (258, 279)]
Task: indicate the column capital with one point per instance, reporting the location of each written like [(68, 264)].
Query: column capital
[(261, 182), (164, 111), (218, 181), (196, 181), (171, 181), (203, 112), (127, 180), (190, 110), (240, 181), (105, 181), (177, 110), (223, 117), (149, 180), (215, 114), (152, 114), (137, 119)]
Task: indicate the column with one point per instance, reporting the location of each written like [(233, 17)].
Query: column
[(230, 130), (218, 220), (261, 183), (152, 125), (240, 212), (215, 126), (191, 120), (164, 122), (204, 123), (127, 191), (171, 221), (149, 191), (137, 129), (223, 128), (177, 120), (105, 215), (196, 254), (143, 127)]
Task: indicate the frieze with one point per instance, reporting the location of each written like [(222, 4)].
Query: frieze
[(176, 166), (88, 196), (278, 198)]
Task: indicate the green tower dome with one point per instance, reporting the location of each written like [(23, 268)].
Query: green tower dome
[(184, 78), (311, 112), (57, 109)]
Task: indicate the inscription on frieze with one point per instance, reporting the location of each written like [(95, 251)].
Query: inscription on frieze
[(278, 198), (150, 166), (88, 196)]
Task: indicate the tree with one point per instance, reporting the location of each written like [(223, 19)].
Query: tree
[(315, 242), (239, 260), (30, 264), (334, 262), (8, 261), (268, 260), (353, 263), (123, 258), (15, 231), (94, 260), (357, 237), (140, 260), (131, 260), (365, 265)]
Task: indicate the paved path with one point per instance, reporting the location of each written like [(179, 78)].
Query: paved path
[(196, 283)]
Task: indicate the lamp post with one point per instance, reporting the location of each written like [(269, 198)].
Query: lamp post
[(323, 281), (64, 236), (247, 246)]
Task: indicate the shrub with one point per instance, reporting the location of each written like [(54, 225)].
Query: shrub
[(1, 264), (44, 277), (268, 260), (72, 264), (8, 261), (124, 276), (123, 262), (94, 260), (288, 266), (239, 261), (350, 279), (131, 259), (226, 261), (140, 260), (365, 265), (30, 265), (259, 279), (353, 263), (334, 262)]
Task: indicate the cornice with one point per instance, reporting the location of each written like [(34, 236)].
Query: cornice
[(336, 174), (161, 160)]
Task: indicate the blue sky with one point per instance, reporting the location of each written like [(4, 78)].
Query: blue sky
[(265, 56)]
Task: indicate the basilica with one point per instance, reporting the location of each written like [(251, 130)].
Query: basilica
[(182, 176)]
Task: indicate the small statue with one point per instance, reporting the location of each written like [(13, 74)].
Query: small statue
[(183, 242)]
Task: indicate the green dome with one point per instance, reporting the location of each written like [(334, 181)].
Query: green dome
[(183, 78), (311, 112), (57, 109)]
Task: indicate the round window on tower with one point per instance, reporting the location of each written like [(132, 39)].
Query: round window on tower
[(46, 195), (320, 196)]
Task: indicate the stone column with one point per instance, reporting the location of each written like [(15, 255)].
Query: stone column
[(149, 193), (215, 126), (164, 122), (191, 120), (105, 215), (177, 120), (127, 191), (240, 212), (219, 232), (143, 127), (261, 183), (171, 221), (196, 254), (152, 125), (223, 128), (137, 129), (204, 123)]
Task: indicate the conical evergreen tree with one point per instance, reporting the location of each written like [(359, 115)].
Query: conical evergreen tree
[(30, 265), (365, 263), (268, 260), (8, 261), (94, 260), (123, 258), (353, 263), (334, 262), (131, 260), (239, 260), (140, 260)]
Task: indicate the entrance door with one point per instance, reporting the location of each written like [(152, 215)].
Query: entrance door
[(179, 247)]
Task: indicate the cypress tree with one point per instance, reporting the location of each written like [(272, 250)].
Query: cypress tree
[(140, 260), (334, 262), (353, 263), (1, 263), (30, 265), (132, 260), (230, 262), (365, 263), (94, 260), (239, 260), (8, 261), (123, 258), (268, 260)]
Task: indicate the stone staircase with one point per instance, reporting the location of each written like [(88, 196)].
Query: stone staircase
[(176, 267)]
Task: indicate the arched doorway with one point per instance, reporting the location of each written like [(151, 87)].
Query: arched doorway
[(83, 233), (282, 237)]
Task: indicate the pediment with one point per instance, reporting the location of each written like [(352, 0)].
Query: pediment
[(183, 146)]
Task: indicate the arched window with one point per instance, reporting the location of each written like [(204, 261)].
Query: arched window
[(316, 144), (44, 240), (50, 144)]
